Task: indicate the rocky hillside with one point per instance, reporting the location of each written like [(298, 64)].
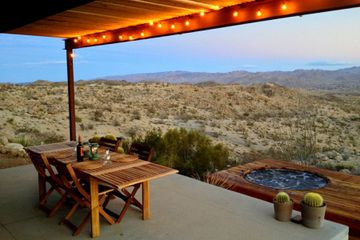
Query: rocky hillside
[(264, 120)]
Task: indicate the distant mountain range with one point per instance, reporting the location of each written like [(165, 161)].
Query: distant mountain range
[(343, 79)]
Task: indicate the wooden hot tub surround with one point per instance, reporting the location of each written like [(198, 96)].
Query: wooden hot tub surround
[(342, 193)]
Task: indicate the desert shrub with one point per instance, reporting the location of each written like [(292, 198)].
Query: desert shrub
[(136, 115), (190, 152), (98, 115), (298, 142), (37, 138), (78, 119)]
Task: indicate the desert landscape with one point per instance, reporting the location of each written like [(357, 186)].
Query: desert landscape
[(263, 120)]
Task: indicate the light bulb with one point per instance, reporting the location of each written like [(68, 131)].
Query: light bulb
[(235, 14), (75, 40), (88, 40), (120, 37), (79, 37), (151, 23), (172, 26), (95, 40), (259, 13), (72, 55), (187, 23), (159, 25), (103, 36), (131, 38), (283, 6), (202, 13), (142, 34)]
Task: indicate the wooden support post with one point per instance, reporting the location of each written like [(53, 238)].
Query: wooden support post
[(71, 93)]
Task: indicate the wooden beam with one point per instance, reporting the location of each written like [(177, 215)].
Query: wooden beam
[(71, 93), (234, 15)]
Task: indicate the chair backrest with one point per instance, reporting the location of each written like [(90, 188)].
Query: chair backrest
[(111, 144), (144, 152), (41, 163), (69, 179)]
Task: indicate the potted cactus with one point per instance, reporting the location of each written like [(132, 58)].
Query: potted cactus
[(313, 210), (283, 206)]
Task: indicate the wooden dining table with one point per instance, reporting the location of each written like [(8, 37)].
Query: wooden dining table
[(121, 171)]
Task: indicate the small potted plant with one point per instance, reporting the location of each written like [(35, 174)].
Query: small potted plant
[(313, 210), (283, 206)]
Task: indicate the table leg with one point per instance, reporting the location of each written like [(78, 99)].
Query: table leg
[(42, 187), (95, 219), (146, 200)]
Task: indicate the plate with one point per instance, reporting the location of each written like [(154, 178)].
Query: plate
[(87, 165), (124, 158)]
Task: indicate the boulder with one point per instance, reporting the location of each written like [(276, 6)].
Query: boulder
[(3, 140), (15, 149)]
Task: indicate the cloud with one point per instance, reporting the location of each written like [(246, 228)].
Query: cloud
[(328, 64)]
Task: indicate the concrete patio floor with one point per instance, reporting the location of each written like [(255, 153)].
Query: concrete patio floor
[(181, 208)]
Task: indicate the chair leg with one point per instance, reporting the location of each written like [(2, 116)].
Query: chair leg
[(46, 196), (82, 224), (127, 203), (134, 201), (58, 205), (70, 213)]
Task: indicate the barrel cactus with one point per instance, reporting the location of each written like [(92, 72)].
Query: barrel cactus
[(282, 197), (313, 199)]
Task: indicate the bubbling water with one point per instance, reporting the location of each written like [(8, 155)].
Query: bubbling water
[(286, 179)]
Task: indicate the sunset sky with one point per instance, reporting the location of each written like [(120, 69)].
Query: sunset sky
[(319, 41)]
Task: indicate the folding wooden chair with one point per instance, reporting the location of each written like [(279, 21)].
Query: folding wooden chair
[(111, 144), (81, 194), (128, 194), (47, 175), (144, 152)]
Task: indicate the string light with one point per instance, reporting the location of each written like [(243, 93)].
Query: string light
[(75, 40), (159, 25), (95, 40), (131, 38), (235, 14), (103, 36), (88, 40), (72, 55), (259, 13), (120, 37), (172, 26), (151, 23), (142, 34), (79, 37), (283, 6), (187, 23), (202, 13)]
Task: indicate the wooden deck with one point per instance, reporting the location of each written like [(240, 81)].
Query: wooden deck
[(342, 193)]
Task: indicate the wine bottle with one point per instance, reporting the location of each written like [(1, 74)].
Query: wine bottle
[(80, 151)]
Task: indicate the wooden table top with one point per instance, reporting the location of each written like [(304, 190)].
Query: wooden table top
[(121, 171)]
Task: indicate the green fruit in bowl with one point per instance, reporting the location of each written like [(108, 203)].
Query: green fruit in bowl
[(120, 150)]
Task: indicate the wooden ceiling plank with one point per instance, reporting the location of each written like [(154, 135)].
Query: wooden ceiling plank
[(247, 13), (122, 13), (174, 6)]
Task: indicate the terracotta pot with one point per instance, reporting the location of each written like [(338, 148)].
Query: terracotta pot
[(283, 211), (312, 217)]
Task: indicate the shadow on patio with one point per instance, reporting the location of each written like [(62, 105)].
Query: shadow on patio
[(181, 208)]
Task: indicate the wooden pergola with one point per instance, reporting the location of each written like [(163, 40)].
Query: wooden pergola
[(86, 23)]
